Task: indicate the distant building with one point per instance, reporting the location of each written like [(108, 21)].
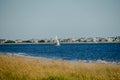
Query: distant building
[(2, 41), (103, 40), (109, 39), (117, 39), (82, 40), (64, 40), (46, 41), (96, 39), (89, 40), (19, 41), (71, 40), (34, 40)]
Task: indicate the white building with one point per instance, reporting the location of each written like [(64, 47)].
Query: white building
[(109, 39), (19, 41), (34, 40), (2, 41)]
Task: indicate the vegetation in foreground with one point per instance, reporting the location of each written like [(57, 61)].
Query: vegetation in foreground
[(21, 68)]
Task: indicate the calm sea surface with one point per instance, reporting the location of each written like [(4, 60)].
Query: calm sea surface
[(91, 51)]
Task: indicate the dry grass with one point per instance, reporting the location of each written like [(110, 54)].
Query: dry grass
[(21, 68)]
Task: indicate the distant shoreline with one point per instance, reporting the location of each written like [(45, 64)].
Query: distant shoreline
[(65, 43)]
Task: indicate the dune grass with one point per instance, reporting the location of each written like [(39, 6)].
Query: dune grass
[(22, 68)]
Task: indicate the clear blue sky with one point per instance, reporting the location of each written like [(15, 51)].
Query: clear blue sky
[(26, 19)]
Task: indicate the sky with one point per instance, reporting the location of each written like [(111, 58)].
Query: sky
[(27, 19)]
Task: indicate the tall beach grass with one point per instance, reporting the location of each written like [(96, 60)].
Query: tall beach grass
[(22, 68)]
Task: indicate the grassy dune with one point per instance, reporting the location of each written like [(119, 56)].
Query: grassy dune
[(21, 68)]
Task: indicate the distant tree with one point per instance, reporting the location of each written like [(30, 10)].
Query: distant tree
[(41, 41), (27, 41), (10, 41)]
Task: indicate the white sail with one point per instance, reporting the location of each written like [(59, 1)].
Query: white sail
[(57, 43)]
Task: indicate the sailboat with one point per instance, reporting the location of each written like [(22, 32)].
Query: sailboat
[(57, 43)]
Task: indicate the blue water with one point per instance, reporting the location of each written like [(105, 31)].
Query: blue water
[(91, 51)]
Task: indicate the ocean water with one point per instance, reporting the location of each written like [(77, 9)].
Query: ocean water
[(109, 52)]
